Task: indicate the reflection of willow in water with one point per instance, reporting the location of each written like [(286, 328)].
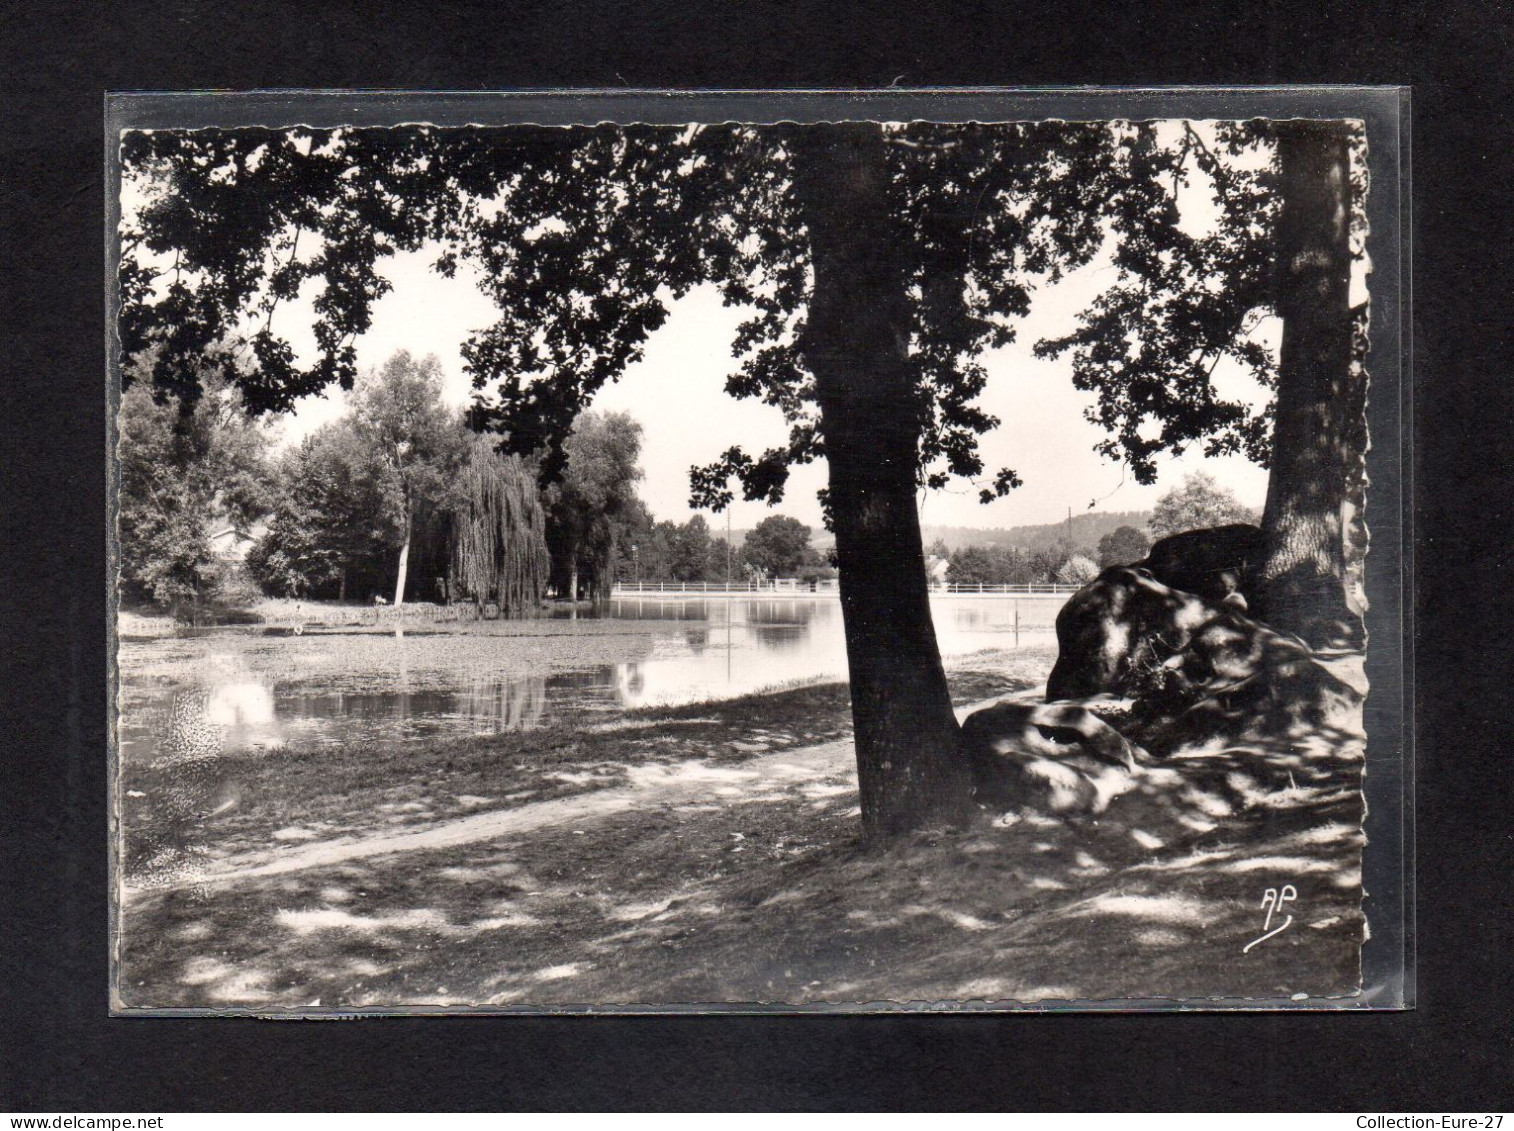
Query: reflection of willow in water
[(508, 704)]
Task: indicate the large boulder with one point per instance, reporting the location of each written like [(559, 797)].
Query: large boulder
[(1237, 680), (1056, 757), (1115, 634), (1197, 669), (1218, 563)]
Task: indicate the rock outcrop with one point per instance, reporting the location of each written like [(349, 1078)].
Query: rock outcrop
[(1218, 563), (1116, 635), (1057, 757), (1196, 668)]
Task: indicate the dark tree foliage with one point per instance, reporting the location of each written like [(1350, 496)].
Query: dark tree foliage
[(815, 566), (333, 530), (877, 263), (776, 546), (1123, 546), (576, 229), (992, 565), (667, 551), (185, 470), (1048, 561), (1149, 345), (590, 506), (1289, 198), (689, 550), (638, 552)]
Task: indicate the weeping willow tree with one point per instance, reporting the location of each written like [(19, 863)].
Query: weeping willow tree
[(499, 547)]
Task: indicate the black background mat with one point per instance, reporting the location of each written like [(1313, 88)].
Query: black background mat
[(59, 1050)]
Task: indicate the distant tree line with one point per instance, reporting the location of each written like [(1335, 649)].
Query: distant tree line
[(1061, 562), (779, 546), (398, 499)]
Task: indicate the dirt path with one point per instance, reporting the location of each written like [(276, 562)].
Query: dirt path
[(650, 785)]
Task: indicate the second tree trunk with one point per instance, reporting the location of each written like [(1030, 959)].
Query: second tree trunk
[(1320, 395)]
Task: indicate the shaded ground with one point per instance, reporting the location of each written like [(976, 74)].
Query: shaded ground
[(709, 853)]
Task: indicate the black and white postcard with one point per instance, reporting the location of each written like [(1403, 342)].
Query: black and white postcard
[(833, 560)]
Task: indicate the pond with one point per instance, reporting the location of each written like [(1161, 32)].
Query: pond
[(248, 690)]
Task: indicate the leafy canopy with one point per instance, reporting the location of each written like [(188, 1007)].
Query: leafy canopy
[(1124, 545), (333, 516), (594, 502), (776, 546), (398, 411), (185, 474), (991, 565), (583, 236), (1189, 298)]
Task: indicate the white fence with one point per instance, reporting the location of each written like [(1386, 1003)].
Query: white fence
[(784, 585), (789, 585), (1030, 589)]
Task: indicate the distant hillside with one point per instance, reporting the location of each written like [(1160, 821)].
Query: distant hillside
[(1087, 529)]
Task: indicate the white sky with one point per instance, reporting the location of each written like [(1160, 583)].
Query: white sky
[(677, 393)]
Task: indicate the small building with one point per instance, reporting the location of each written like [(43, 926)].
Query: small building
[(229, 545)]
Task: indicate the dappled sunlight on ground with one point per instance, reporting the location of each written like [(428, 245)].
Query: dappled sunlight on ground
[(626, 867), (752, 901)]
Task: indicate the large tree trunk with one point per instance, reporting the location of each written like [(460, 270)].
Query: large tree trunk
[(909, 764), (399, 586), (1302, 582)]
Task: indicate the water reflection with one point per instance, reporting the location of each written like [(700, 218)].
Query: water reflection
[(241, 703), (695, 649), (716, 611)]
